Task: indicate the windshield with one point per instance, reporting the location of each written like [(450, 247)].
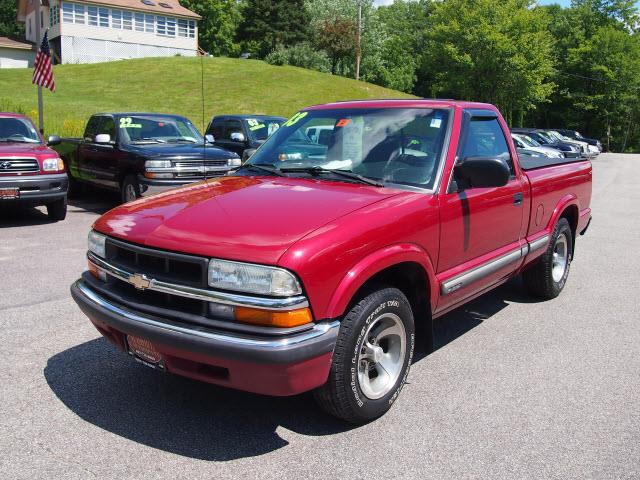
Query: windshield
[(261, 128), (390, 145), (546, 137), (17, 130), (557, 136), (528, 141), (157, 129)]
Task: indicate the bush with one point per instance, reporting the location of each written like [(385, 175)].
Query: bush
[(300, 55)]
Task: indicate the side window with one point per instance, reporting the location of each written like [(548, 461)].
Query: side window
[(217, 128), (231, 126), (486, 139), (108, 126), (91, 130)]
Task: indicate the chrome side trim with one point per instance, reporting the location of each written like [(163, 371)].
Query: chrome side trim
[(234, 299), (267, 344), (539, 243), (467, 278)]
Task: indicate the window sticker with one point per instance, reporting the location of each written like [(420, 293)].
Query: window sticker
[(343, 122), (352, 139), (436, 121), (255, 124), (295, 119), (272, 128), (126, 122)]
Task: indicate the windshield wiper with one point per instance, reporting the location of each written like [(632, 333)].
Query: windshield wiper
[(257, 166), (178, 140), (17, 140), (148, 140), (317, 170)]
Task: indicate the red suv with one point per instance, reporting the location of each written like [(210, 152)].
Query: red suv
[(31, 173)]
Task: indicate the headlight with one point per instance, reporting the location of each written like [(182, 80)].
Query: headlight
[(96, 243), (53, 165), (234, 162), (249, 278), (157, 164)]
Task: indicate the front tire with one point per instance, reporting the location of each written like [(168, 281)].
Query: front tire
[(129, 189), (372, 358), (57, 210), (548, 276)]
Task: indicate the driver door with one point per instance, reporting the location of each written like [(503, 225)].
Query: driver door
[(481, 229)]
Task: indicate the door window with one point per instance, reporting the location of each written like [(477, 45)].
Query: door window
[(485, 138), (217, 129), (92, 128), (108, 126), (231, 126)]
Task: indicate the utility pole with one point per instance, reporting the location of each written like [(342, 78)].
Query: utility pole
[(359, 40), (38, 42)]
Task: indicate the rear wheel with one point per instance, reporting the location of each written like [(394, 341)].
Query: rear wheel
[(371, 359), (57, 210), (548, 276), (129, 189)]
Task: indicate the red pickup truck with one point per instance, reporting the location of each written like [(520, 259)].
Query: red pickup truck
[(31, 173), (311, 266)]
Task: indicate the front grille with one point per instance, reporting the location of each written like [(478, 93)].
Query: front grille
[(199, 163), (19, 165), (200, 175), (161, 265)]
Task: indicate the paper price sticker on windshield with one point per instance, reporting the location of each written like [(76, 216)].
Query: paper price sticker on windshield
[(436, 122), (343, 123)]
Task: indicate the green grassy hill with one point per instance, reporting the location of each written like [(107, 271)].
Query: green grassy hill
[(173, 85)]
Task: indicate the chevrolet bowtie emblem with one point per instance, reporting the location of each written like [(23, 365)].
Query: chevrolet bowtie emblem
[(5, 165), (140, 281)]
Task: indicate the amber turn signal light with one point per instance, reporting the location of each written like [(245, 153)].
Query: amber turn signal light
[(268, 318), (97, 272)]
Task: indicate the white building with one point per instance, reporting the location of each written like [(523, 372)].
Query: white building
[(102, 30), (15, 54)]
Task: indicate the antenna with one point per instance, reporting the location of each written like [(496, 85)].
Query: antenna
[(204, 143)]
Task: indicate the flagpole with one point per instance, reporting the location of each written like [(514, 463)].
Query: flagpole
[(39, 41)]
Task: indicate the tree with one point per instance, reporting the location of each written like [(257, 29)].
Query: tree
[(337, 37), (266, 24), (9, 27), (498, 51), (217, 29)]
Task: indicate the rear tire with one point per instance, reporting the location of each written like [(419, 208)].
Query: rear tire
[(129, 189), (548, 276), (57, 210), (371, 359)]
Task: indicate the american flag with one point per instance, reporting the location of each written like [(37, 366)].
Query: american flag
[(43, 73)]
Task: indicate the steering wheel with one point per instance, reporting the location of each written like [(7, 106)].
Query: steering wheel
[(407, 168)]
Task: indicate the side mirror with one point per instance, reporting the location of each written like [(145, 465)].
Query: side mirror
[(482, 172), (246, 155), (209, 138), (103, 138), (53, 140), (237, 137)]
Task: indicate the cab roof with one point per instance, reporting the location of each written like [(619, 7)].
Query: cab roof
[(404, 103)]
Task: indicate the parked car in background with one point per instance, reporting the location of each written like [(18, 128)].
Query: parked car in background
[(132, 152), (242, 134), (31, 173), (312, 266), (525, 142), (568, 149), (587, 150), (578, 136)]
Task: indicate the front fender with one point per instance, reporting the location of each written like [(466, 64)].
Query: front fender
[(374, 263)]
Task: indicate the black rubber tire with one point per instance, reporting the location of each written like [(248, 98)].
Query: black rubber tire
[(57, 210), (341, 395), (538, 280), (130, 181)]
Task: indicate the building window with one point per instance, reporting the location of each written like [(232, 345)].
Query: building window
[(54, 15), (149, 23), (171, 27), (127, 20), (116, 19), (186, 28), (73, 13), (138, 19), (161, 25), (98, 17)]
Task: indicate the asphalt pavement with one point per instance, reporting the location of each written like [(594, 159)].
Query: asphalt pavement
[(516, 389)]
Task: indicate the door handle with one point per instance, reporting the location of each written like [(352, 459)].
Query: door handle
[(517, 199)]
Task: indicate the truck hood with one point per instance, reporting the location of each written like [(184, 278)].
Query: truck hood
[(15, 149), (254, 219), (183, 151)]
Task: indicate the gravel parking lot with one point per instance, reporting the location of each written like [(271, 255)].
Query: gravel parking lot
[(516, 389)]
